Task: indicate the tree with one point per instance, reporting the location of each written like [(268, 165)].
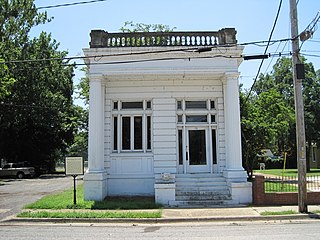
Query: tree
[(79, 147), (16, 20), (273, 105), (37, 118), (6, 81)]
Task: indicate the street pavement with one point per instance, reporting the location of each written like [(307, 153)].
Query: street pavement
[(15, 193)]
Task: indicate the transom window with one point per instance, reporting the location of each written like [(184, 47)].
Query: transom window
[(193, 112), (131, 126)]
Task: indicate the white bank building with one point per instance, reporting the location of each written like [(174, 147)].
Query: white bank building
[(164, 118)]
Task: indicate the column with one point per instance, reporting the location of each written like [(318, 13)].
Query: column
[(95, 183), (233, 129), (95, 140)]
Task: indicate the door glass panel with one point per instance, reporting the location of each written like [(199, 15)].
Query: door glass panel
[(148, 132), (214, 147), (180, 147), (197, 147), (115, 133)]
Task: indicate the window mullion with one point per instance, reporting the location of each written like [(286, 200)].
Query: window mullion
[(132, 133), (119, 133), (144, 133)]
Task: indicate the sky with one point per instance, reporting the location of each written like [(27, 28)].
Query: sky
[(253, 20)]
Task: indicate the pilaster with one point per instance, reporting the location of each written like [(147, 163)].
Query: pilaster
[(95, 179), (234, 171)]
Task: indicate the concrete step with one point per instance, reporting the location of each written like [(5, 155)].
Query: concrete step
[(203, 204), (192, 192), (202, 182), (221, 188), (203, 198), (202, 190)]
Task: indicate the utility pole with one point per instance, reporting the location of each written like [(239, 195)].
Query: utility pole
[(298, 75)]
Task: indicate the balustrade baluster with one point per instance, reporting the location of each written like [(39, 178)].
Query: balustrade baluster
[(139, 39)]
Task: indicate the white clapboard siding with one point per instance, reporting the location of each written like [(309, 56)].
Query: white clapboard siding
[(163, 90), (164, 122)]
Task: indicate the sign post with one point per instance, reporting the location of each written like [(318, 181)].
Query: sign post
[(74, 167)]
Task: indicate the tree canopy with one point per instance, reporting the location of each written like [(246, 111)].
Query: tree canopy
[(272, 114), (37, 115)]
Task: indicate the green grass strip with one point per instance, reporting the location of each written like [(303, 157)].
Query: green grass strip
[(92, 214), (64, 200), (288, 212)]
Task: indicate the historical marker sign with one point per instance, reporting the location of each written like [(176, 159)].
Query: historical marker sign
[(74, 166)]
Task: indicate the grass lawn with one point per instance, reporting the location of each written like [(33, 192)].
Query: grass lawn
[(89, 214), (54, 206), (267, 213), (64, 200), (287, 172), (280, 187)]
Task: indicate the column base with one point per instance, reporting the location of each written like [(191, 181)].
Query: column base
[(165, 193), (241, 192), (95, 186), (240, 188), (237, 175)]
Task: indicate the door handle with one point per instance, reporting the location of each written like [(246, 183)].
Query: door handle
[(187, 156)]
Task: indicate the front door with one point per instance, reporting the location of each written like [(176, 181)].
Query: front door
[(196, 150)]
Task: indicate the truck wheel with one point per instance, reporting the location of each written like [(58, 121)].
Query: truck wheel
[(20, 175)]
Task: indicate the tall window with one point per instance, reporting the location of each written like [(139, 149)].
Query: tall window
[(131, 126)]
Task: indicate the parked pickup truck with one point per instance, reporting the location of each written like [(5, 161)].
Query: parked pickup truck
[(16, 170)]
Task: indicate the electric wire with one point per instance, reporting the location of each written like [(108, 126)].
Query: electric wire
[(262, 61), (185, 49), (70, 4)]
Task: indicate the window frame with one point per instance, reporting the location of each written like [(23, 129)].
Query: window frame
[(211, 124), (146, 115)]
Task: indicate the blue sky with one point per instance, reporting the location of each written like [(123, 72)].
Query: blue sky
[(253, 20)]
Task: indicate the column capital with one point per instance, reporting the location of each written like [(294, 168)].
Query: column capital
[(231, 76), (95, 77)]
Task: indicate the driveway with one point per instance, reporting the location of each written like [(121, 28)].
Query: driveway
[(15, 193)]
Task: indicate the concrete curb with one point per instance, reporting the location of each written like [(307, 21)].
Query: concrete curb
[(163, 220)]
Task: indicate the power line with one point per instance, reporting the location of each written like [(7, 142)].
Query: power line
[(70, 4), (185, 49), (262, 61)]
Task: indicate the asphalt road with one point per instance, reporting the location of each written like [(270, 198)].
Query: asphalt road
[(244, 230), (15, 193)]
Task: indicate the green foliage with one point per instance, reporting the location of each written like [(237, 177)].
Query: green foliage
[(268, 116), (16, 20), (37, 117), (83, 87), (6, 81), (79, 146), (91, 214), (130, 26)]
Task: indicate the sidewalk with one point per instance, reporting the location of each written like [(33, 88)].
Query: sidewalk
[(171, 215)]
